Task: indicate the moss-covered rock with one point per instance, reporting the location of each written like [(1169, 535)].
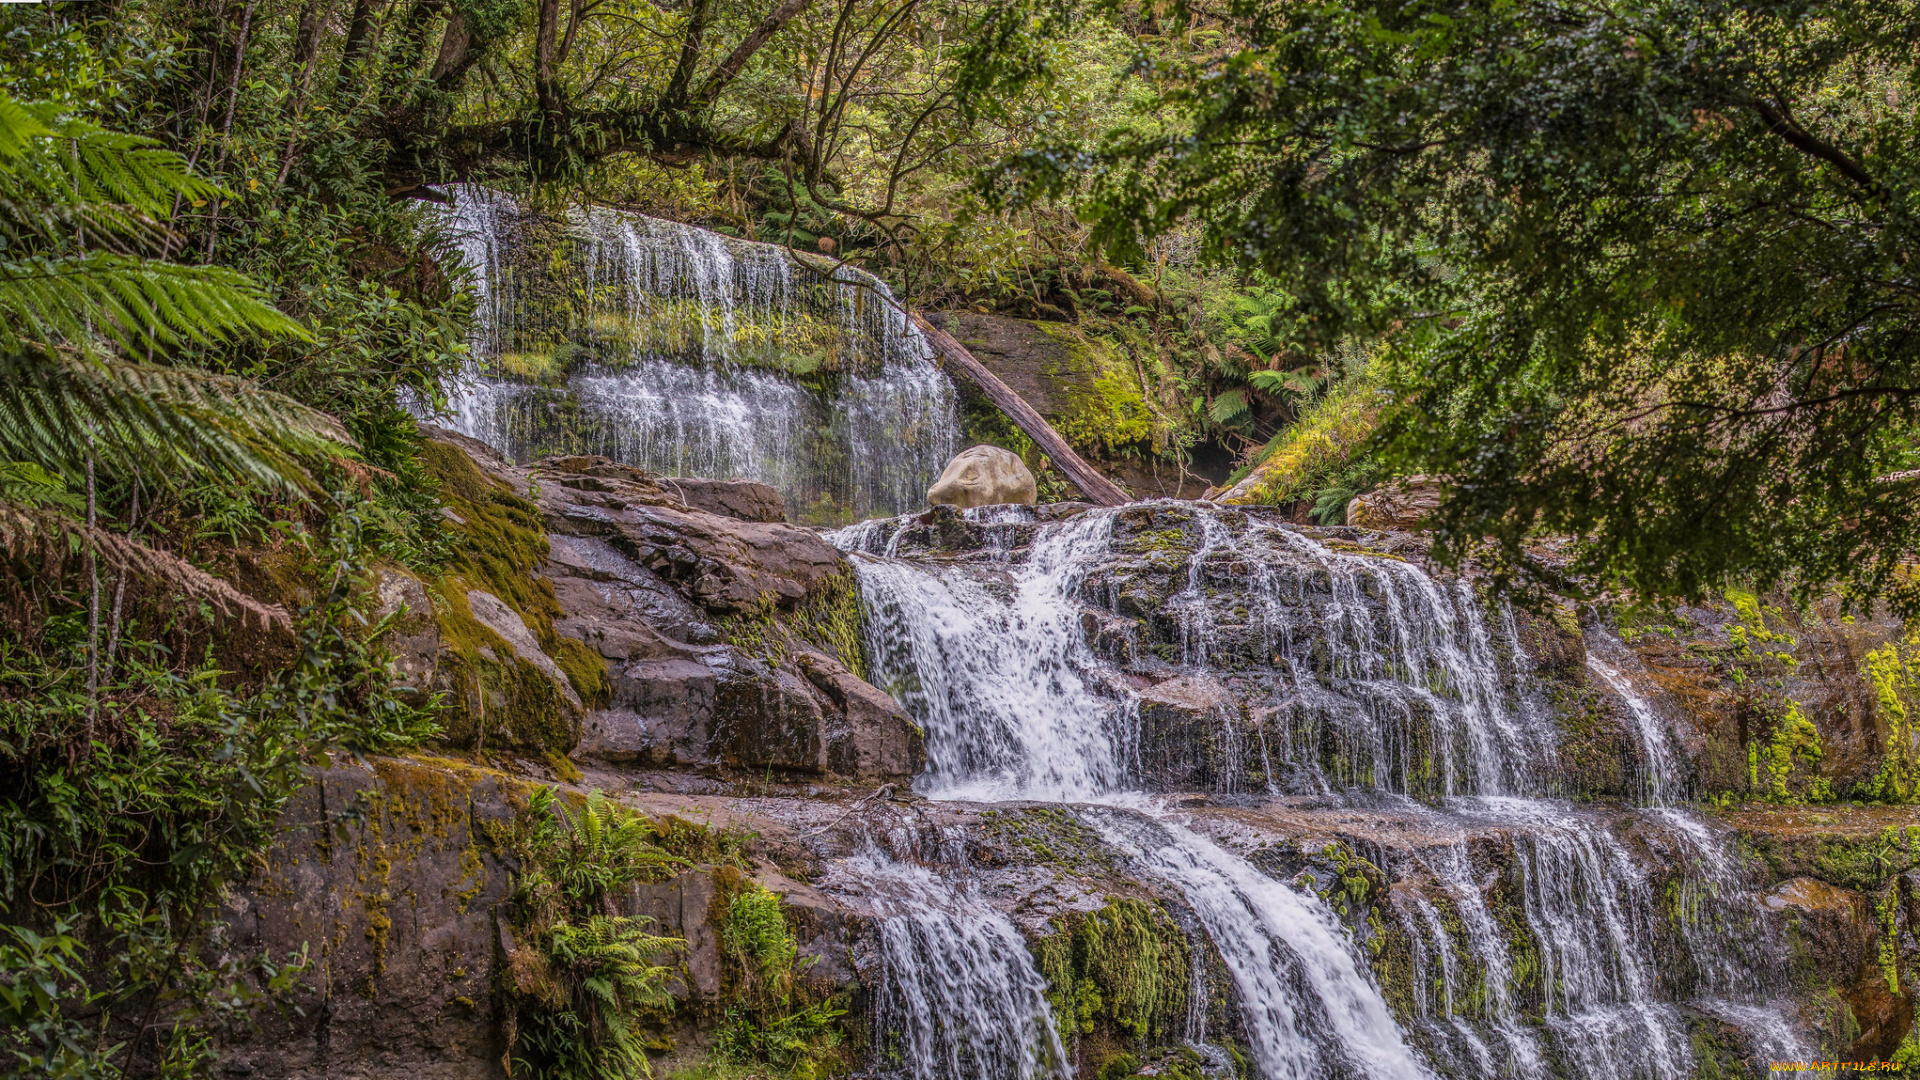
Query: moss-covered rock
[(521, 688)]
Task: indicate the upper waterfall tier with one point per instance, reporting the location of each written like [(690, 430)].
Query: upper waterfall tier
[(689, 353)]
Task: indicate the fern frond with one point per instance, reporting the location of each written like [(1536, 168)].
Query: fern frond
[(62, 160), (26, 532), (158, 422), (28, 484), (132, 302), (1229, 408)]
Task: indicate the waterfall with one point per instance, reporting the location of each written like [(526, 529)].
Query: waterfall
[(688, 353), (1310, 1010), (1006, 680), (959, 994), (1089, 660)]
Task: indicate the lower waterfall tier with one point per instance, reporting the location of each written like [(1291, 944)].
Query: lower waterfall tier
[(1053, 793)]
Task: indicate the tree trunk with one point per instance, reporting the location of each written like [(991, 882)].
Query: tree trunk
[(1094, 486), (546, 46)]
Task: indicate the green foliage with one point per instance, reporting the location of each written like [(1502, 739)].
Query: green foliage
[(575, 860), (38, 974), (586, 982), (586, 989), (124, 813), (776, 1019), (82, 208), (1641, 265), (1321, 457)]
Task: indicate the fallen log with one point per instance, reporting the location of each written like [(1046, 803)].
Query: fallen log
[(1097, 488)]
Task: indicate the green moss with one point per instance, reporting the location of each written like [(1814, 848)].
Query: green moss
[(1862, 862), (1106, 410), (830, 620), (500, 700), (1045, 836), (1303, 456), (1124, 969), (548, 366), (1894, 671)]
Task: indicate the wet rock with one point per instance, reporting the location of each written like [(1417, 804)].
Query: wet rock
[(643, 575), (682, 907), (1194, 737), (745, 500), (719, 563), (396, 909), (1836, 932), (663, 713), (984, 476), (605, 590), (387, 875), (876, 738)]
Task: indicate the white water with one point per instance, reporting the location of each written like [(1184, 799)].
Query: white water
[(959, 995), (1391, 683), (1310, 1011), (998, 671), (686, 329), (1004, 679)]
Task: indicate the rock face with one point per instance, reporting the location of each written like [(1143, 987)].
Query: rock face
[(389, 877), (747, 500), (652, 584), (671, 623), (717, 641), (984, 476)]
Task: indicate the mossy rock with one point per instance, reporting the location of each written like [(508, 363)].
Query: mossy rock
[(498, 698), (1121, 972)]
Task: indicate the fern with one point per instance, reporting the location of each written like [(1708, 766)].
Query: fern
[(1228, 409), (86, 287), (55, 538)]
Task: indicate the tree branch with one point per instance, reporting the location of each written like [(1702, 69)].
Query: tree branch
[(1783, 125), (736, 60)]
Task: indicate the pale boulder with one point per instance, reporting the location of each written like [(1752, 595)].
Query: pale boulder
[(984, 476)]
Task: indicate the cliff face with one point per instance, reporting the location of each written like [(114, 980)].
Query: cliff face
[(676, 645)]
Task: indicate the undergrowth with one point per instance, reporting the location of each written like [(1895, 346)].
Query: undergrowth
[(126, 808), (778, 1018), (585, 984)]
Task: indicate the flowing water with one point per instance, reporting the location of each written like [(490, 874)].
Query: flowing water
[(1357, 681), (692, 354), (959, 996)]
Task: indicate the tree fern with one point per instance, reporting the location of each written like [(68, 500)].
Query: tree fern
[(85, 289), (88, 302), (27, 532)]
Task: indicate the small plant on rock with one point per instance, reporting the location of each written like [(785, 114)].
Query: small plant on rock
[(585, 980)]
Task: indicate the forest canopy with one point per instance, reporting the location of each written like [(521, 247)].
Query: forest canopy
[(1646, 270)]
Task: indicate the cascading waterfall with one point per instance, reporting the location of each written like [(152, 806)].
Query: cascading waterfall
[(1310, 1011), (1382, 686), (688, 353), (959, 996)]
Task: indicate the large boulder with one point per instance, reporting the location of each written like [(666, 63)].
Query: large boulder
[(707, 609), (984, 476)]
